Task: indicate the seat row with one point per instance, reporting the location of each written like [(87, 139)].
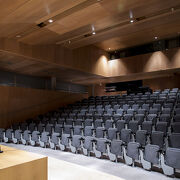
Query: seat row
[(148, 154)]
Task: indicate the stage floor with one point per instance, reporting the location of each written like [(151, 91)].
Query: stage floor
[(22, 165)]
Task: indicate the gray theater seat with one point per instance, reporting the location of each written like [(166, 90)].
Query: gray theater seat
[(133, 125), (141, 137), (55, 140), (2, 134), (126, 135), (88, 145), (150, 156), (170, 161), (112, 133), (64, 143), (17, 136), (147, 125), (44, 139), (100, 132), (157, 138), (77, 130), (175, 127), (109, 124), (115, 149), (58, 128), (8, 135), (98, 123), (120, 124), (76, 143), (88, 122), (139, 118), (32, 127), (174, 140), (88, 131), (26, 136), (162, 126), (35, 138), (127, 118), (132, 153)]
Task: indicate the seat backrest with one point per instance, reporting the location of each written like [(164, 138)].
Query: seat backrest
[(120, 124), (175, 127), (116, 147), (151, 153), (172, 157), (126, 135), (88, 131), (108, 124), (112, 133), (174, 140), (141, 137), (77, 130), (133, 150), (162, 126), (157, 138), (133, 125), (147, 125), (100, 132), (139, 118)]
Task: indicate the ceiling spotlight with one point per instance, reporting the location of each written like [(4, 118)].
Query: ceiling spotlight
[(69, 42), (131, 21), (155, 37), (172, 9), (50, 21), (109, 48), (93, 32), (18, 36)]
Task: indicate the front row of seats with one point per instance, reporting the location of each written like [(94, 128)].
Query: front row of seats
[(131, 152)]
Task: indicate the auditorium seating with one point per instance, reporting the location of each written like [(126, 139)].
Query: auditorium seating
[(137, 128)]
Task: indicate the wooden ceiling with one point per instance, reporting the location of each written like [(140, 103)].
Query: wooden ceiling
[(74, 22)]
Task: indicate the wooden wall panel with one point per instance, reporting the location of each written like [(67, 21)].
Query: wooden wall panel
[(18, 104)]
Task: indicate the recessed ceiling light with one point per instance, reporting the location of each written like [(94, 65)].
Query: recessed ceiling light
[(18, 36), (50, 21), (131, 21), (155, 37), (172, 9), (69, 42), (93, 32), (109, 48)]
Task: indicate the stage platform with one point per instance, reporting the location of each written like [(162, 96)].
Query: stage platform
[(22, 165)]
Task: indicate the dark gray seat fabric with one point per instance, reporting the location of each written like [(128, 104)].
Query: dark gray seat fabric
[(2, 133), (127, 117), (58, 128), (67, 129), (141, 111), (65, 139), (26, 135), (44, 137), (32, 127), (61, 121), (174, 140), (172, 157), (17, 134), (116, 147), (98, 123), (162, 126), (147, 125), (175, 127), (165, 118), (133, 150), (151, 153), (8, 133), (77, 130), (100, 132), (130, 111), (76, 141), (23, 126), (112, 133), (35, 136), (120, 124), (152, 118), (69, 121), (141, 137), (153, 111), (101, 145), (126, 135), (88, 122), (88, 144), (157, 138), (15, 126), (41, 127), (78, 122), (177, 118), (108, 124), (133, 125), (49, 128), (55, 138), (88, 131), (139, 118)]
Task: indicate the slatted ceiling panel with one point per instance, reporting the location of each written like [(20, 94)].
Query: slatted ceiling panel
[(171, 21), (78, 19)]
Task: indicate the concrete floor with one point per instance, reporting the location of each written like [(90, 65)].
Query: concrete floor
[(77, 166)]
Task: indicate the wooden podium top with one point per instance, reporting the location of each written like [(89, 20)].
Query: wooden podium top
[(12, 157)]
